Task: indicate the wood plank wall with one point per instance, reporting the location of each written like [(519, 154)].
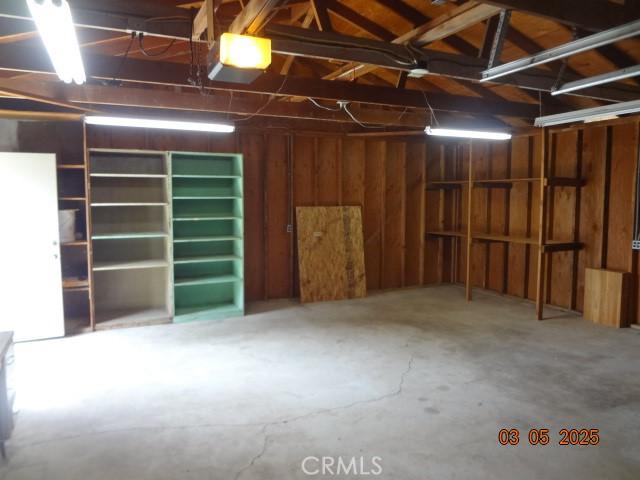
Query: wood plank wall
[(600, 215), (386, 177), (283, 170)]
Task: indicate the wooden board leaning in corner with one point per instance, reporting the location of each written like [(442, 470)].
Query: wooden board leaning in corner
[(330, 253)]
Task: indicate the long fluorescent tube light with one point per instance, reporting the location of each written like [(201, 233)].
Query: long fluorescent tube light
[(55, 25), (598, 113), (577, 46), (481, 134), (598, 80), (161, 124)]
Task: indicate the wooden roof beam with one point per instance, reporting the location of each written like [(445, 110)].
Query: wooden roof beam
[(116, 15), (454, 21), (80, 97), (441, 27), (33, 60), (321, 14), (593, 15), (254, 16), (374, 54)]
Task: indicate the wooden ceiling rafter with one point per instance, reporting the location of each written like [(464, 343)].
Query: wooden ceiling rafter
[(470, 12), (174, 74), (593, 15)]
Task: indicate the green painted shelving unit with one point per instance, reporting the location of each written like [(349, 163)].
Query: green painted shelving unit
[(208, 245)]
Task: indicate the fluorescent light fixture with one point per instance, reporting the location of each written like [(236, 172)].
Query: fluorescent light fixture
[(244, 51), (594, 114), (161, 124), (601, 118), (572, 48), (54, 22), (598, 80), (481, 134)]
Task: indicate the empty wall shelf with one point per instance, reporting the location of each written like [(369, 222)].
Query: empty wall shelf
[(207, 235), (167, 238), (131, 212)]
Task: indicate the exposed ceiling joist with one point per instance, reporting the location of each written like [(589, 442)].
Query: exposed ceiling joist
[(499, 37), (254, 16), (10, 88), (436, 29), (592, 15), (359, 21), (126, 20), (454, 21), (203, 21), (321, 14), (405, 10), (326, 45), (25, 59), (562, 51), (96, 95)]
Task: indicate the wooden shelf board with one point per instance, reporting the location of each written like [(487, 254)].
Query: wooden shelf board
[(207, 312), (508, 182), (69, 283), (70, 166), (205, 176), (130, 317), (504, 238), (128, 235), (72, 199), (565, 182), (130, 265), (229, 197), (206, 259), (75, 289), (445, 184), (204, 218), (130, 204), (559, 246), (129, 175), (446, 233), (204, 239), (77, 243), (185, 282)]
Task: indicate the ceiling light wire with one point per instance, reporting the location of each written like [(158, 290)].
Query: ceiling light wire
[(147, 54), (322, 106), (271, 97), (345, 107)]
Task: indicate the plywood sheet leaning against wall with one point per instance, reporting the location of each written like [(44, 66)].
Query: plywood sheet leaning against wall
[(330, 253)]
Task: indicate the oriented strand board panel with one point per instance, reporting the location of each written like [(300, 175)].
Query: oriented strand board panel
[(607, 297), (330, 253)]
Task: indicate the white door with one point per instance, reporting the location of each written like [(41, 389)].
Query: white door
[(30, 274)]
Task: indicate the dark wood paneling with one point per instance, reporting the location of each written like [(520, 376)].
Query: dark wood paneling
[(414, 214), (393, 257), (374, 179), (278, 240), (253, 150)]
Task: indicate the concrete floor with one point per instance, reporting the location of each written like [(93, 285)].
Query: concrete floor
[(419, 378)]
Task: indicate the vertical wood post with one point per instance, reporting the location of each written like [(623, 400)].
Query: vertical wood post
[(542, 226), (87, 206), (469, 293)]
